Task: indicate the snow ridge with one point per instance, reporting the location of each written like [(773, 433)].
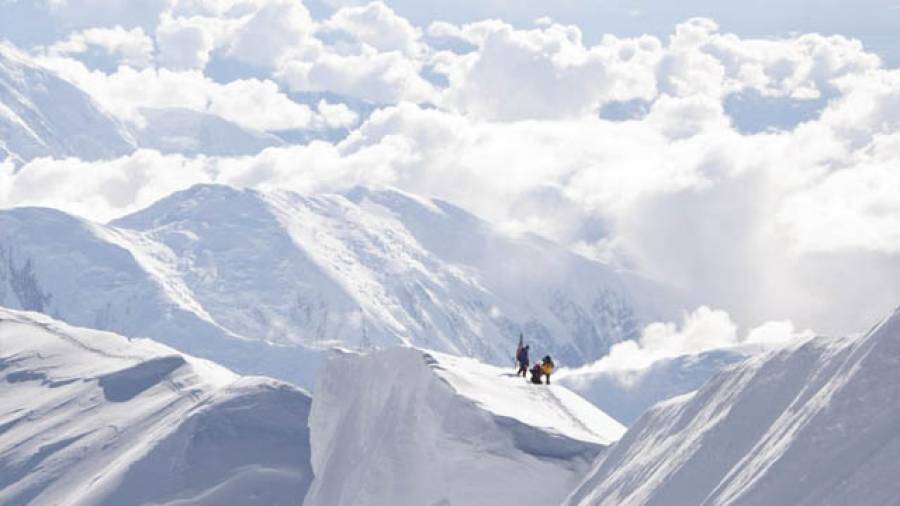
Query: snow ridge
[(408, 426), (815, 424), (89, 417)]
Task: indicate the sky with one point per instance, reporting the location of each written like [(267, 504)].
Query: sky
[(747, 155)]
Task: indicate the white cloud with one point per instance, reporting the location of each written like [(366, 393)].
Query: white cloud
[(267, 35), (252, 103), (385, 78), (127, 47), (703, 330), (378, 26), (545, 72), (184, 43)]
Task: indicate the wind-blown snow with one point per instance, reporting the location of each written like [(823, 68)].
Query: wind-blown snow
[(214, 270), (814, 424), (89, 417), (409, 427), (625, 394)]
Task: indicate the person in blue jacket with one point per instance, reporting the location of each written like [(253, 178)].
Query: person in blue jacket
[(522, 358)]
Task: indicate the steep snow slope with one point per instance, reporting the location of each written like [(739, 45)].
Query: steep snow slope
[(383, 267), (44, 115), (89, 417), (100, 277), (407, 427), (176, 130), (625, 394), (815, 424)]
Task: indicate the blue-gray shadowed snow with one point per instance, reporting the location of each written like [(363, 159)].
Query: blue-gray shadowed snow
[(626, 394), (260, 282), (93, 418), (177, 130), (44, 115), (408, 427), (813, 424)]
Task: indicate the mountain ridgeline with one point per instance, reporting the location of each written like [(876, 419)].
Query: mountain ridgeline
[(261, 281)]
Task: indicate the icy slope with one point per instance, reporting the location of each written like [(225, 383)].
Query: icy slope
[(407, 427), (816, 424), (43, 115), (176, 130), (89, 417)]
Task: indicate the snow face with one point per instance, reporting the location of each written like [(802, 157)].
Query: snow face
[(177, 130), (43, 115), (89, 417), (814, 424), (214, 271), (408, 427), (101, 277)]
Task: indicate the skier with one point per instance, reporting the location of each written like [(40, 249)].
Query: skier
[(547, 366), (522, 358), (536, 373)]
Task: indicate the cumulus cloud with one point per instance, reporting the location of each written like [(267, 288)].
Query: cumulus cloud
[(378, 26), (702, 330), (125, 47), (253, 103)]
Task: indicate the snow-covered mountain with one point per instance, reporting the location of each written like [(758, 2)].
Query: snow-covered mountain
[(409, 427), (188, 132), (93, 418), (43, 115), (813, 424), (212, 270)]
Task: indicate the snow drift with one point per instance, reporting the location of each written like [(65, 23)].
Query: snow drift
[(814, 424), (404, 426), (228, 268), (89, 417)]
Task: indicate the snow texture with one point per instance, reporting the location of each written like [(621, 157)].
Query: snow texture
[(410, 427), (814, 424), (43, 115), (93, 418), (214, 270)]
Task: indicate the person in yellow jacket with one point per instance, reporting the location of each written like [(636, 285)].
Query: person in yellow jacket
[(547, 366)]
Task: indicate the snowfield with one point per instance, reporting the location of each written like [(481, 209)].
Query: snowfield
[(814, 424), (213, 271), (409, 427), (92, 418)]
